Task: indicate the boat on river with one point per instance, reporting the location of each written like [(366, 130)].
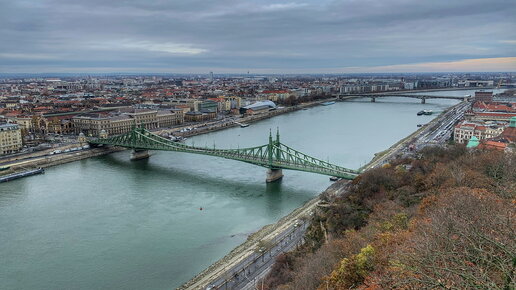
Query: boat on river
[(17, 175), (242, 125), (177, 138), (328, 103), (425, 112)]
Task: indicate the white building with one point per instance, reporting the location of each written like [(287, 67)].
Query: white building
[(465, 130)]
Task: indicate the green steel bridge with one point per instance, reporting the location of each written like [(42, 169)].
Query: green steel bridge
[(275, 156)]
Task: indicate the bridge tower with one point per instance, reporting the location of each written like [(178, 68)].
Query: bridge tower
[(273, 173), (138, 153)]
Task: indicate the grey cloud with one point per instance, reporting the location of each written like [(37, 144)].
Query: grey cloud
[(232, 34)]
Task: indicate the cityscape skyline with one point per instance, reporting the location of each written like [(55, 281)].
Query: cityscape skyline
[(235, 36)]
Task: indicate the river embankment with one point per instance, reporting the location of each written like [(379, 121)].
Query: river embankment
[(45, 159), (228, 263)]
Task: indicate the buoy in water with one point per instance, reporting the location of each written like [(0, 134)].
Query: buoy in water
[(200, 208)]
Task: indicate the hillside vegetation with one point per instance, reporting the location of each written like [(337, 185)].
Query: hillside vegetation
[(443, 220)]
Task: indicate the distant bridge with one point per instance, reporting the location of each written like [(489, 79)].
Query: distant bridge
[(423, 98), (275, 155)]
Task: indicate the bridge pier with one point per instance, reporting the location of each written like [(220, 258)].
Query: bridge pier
[(373, 99), (423, 100), (274, 174), (138, 154)]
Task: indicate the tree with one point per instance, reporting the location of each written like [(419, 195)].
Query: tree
[(464, 241)]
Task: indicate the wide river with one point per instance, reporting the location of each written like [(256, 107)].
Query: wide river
[(109, 223)]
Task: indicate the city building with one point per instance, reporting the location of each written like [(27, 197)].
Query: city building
[(486, 97), (365, 88), (489, 116), (207, 106), (93, 124), (275, 95), (465, 130), (199, 116), (258, 107), (505, 141), (510, 132), (434, 83), (234, 102), (10, 138), (476, 83)]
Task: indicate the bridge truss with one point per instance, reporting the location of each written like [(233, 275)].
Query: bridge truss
[(274, 155)]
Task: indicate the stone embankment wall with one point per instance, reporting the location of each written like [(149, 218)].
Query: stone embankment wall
[(56, 159)]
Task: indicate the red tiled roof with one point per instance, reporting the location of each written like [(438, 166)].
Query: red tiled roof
[(508, 115), (276, 92), (493, 145), (216, 99), (509, 133)]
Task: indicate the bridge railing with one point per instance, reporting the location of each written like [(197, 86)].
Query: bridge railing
[(272, 155), (307, 160)]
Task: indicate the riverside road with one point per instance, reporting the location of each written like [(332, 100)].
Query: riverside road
[(246, 273)]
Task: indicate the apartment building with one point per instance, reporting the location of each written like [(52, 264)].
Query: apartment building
[(465, 130), (10, 138), (93, 124)]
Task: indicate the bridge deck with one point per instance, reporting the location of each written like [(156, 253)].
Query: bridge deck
[(273, 155)]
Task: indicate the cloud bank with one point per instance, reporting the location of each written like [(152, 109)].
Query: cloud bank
[(260, 36)]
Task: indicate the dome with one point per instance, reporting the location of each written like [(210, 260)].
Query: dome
[(473, 142), (512, 122)]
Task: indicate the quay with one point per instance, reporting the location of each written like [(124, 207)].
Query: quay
[(44, 159), (22, 174)]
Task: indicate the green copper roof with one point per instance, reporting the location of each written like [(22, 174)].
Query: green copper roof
[(512, 122), (473, 142)]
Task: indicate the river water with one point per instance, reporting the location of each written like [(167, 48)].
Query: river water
[(107, 222)]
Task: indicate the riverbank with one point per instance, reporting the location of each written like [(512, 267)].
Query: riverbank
[(382, 157), (266, 234), (198, 129), (234, 260), (44, 159)]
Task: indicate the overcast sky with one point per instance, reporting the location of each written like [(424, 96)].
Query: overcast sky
[(260, 36)]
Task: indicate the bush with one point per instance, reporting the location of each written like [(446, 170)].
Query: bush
[(352, 271)]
